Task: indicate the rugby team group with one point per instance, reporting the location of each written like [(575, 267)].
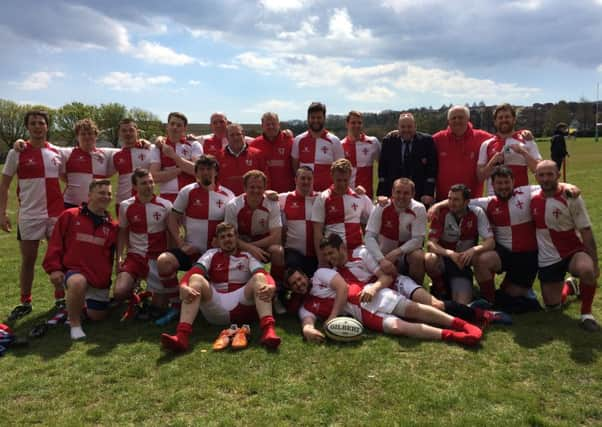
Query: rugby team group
[(228, 206)]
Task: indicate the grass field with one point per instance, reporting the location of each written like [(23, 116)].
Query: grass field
[(541, 371)]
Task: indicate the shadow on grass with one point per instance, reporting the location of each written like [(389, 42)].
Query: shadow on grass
[(534, 330)]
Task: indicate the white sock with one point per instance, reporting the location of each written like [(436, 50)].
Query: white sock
[(77, 333)]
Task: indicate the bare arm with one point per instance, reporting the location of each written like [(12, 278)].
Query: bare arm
[(484, 171), (4, 186), (163, 176), (340, 287), (383, 281)]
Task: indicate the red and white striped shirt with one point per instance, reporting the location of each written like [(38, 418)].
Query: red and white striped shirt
[(296, 217), (511, 220), (360, 268), (394, 228), (362, 154), (186, 150), (227, 273), (147, 224), (38, 188), (253, 224), (513, 160), (81, 168), (557, 221), (202, 210), (318, 154), (462, 235), (343, 215), (320, 299), (124, 162)]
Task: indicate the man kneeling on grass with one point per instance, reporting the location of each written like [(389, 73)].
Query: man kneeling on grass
[(229, 287), (80, 255)]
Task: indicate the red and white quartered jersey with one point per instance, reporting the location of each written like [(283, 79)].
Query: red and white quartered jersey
[(511, 219), (202, 209), (512, 159), (360, 268), (232, 167), (213, 145), (147, 224), (124, 162), (394, 228), (296, 217), (362, 154), (318, 154), (81, 168), (253, 224), (186, 150), (557, 221), (343, 215), (320, 299), (277, 154), (38, 188), (460, 235), (227, 273)]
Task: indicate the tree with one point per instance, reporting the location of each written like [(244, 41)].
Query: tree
[(12, 126), (558, 113), (149, 124), (109, 116), (66, 118)]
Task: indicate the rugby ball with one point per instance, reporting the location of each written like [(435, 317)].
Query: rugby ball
[(343, 329)]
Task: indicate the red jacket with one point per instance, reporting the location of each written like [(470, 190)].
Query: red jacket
[(77, 244), (458, 160)]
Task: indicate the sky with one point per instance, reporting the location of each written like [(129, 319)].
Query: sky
[(248, 57)]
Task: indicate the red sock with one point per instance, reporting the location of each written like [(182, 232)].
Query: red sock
[(26, 298), (458, 324), (461, 337), (468, 328), (59, 293), (269, 337), (587, 297), (179, 341), (488, 290), (566, 291)]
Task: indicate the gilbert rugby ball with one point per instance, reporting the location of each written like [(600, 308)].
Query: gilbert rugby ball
[(343, 329)]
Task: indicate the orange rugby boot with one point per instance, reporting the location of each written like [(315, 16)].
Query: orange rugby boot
[(224, 338), (240, 339)]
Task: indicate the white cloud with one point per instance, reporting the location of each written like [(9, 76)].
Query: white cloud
[(282, 5), (256, 62), (272, 105), (158, 54), (39, 80), (228, 66), (194, 82), (599, 69), (341, 28), (372, 94), (129, 82)]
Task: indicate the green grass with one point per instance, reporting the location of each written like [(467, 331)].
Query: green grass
[(542, 371)]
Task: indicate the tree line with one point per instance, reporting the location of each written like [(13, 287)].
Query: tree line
[(541, 119)]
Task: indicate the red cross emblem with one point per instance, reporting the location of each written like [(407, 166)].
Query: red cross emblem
[(219, 203), (556, 212), (55, 161), (157, 216), (184, 152), (365, 151), (324, 150), (354, 207), (140, 157), (519, 204), (240, 266)]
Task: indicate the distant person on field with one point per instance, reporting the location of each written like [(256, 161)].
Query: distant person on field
[(558, 144)]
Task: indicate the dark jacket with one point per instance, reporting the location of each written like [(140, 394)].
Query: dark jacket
[(558, 146), (422, 167)]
